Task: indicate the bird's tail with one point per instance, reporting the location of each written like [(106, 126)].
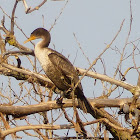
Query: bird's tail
[(83, 103)]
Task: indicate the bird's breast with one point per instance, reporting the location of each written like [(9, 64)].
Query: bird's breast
[(50, 69), (42, 56)]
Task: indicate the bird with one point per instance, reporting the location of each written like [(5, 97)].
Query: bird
[(58, 69)]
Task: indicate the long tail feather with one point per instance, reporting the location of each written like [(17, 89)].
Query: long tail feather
[(83, 103)]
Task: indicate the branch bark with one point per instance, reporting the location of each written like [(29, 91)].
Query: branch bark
[(52, 127), (13, 16), (49, 105), (107, 79), (95, 75)]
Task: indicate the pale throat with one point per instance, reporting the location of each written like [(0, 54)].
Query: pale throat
[(41, 53)]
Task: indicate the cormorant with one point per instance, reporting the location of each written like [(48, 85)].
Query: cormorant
[(58, 68)]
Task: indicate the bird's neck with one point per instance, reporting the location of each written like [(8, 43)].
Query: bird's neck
[(44, 43)]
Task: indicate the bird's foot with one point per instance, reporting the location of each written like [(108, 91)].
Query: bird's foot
[(59, 100)]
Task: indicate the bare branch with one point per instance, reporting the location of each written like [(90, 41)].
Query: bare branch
[(55, 127), (95, 61), (29, 10), (58, 16), (126, 42), (18, 111), (95, 75), (26, 6), (13, 16), (2, 46), (107, 79)]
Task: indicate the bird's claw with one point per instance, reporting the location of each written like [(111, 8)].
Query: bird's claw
[(59, 100)]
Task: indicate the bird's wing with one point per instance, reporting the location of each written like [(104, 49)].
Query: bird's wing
[(63, 64)]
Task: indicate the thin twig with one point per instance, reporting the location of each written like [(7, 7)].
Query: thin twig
[(94, 62), (126, 42), (26, 6), (56, 127), (81, 48), (29, 10), (58, 16)]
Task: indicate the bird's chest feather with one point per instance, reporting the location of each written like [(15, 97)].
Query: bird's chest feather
[(51, 71), (42, 56)]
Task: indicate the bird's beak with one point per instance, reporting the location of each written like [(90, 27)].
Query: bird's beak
[(29, 39)]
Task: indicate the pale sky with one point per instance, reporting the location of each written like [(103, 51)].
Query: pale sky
[(95, 23)]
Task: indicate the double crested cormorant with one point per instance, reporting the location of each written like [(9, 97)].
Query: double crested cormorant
[(58, 68)]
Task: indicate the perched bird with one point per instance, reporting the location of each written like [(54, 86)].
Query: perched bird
[(58, 68)]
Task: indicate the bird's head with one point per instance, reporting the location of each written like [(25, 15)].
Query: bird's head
[(38, 33)]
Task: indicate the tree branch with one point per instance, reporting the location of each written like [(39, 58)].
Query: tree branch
[(81, 71), (29, 10), (107, 79), (54, 127), (13, 16), (49, 105)]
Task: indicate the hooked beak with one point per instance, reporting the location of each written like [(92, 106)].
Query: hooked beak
[(29, 39)]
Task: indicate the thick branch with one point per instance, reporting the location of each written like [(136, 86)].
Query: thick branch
[(98, 113), (22, 74), (47, 106), (107, 79), (18, 111), (89, 73), (2, 45)]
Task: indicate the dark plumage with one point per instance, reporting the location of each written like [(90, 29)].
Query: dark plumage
[(58, 68)]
